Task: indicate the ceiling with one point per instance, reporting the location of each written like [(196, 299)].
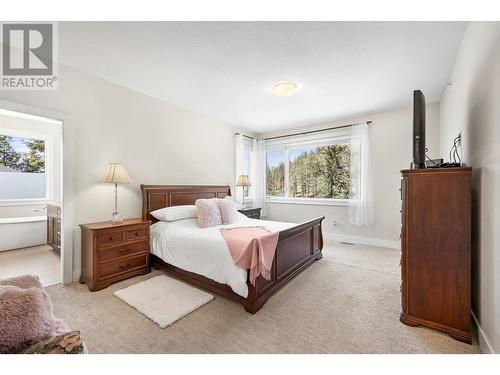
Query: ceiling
[(225, 70)]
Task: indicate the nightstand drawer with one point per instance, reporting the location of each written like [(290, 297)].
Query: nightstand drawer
[(116, 252), (136, 234), (110, 237), (122, 266)]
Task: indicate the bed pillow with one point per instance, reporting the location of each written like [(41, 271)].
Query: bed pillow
[(27, 317), (208, 213), (175, 213), (228, 210)]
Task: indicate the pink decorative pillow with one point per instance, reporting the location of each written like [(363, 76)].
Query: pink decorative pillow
[(26, 317), (227, 210), (208, 213)]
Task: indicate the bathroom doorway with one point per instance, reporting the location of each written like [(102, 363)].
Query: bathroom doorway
[(31, 174)]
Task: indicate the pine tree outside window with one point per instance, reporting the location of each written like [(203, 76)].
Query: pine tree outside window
[(22, 168)]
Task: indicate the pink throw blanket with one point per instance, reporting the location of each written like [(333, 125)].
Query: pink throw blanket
[(252, 248)]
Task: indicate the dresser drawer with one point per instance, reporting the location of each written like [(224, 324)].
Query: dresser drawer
[(110, 237), (136, 234), (122, 266), (116, 252)]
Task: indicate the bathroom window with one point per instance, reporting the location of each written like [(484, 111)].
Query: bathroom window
[(22, 168)]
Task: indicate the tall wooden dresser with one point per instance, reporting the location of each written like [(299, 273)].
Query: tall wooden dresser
[(436, 250)]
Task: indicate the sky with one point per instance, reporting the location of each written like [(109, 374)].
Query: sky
[(275, 158), (18, 145)]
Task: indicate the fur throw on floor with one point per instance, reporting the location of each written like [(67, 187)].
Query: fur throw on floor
[(25, 281), (26, 315)]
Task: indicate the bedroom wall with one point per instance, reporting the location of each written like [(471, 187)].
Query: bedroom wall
[(157, 142), (470, 105), (391, 134)]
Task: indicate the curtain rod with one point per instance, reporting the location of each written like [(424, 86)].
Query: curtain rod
[(308, 132)]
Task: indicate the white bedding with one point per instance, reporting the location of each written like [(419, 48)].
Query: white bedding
[(203, 250)]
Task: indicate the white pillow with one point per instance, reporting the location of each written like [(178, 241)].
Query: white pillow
[(228, 210), (175, 213)]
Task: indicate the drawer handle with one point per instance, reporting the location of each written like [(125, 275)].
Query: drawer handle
[(137, 233), (110, 238), (124, 250), (123, 266)]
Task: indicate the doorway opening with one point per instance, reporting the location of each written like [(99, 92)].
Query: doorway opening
[(31, 175)]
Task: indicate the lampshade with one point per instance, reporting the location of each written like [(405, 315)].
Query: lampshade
[(243, 180), (116, 173)]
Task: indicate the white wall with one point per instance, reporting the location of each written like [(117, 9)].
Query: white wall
[(391, 135), (158, 143), (472, 105)]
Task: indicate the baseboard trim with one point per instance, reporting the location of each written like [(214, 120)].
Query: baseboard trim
[(484, 343), (363, 240), (76, 275)]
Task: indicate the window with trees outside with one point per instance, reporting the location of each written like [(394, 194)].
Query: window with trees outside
[(316, 170), (22, 168)]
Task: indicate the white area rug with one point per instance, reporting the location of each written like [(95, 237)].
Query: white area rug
[(164, 300)]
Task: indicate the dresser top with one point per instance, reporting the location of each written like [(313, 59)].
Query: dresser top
[(437, 170), (108, 224)]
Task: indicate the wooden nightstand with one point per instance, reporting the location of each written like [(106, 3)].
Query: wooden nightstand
[(114, 252), (252, 213)]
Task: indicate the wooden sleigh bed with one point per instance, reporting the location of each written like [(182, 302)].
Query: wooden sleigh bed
[(298, 247)]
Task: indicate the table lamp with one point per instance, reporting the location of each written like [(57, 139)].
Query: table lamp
[(115, 174), (243, 181)]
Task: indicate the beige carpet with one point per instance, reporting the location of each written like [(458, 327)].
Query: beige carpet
[(348, 302)]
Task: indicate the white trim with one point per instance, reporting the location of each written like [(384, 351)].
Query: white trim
[(396, 245), (76, 275), (24, 202), (67, 179), (484, 343), (309, 201)]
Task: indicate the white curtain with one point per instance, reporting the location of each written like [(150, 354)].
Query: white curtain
[(238, 166), (258, 174), (361, 211)]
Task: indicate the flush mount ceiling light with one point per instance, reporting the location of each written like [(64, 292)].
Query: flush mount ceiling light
[(284, 88)]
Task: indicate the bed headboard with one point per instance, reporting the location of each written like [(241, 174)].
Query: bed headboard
[(155, 197)]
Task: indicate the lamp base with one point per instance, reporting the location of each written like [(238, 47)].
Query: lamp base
[(116, 218)]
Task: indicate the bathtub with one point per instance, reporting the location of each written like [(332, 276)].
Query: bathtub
[(18, 232)]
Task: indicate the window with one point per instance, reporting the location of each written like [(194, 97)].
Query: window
[(307, 168), (22, 168), (275, 173)]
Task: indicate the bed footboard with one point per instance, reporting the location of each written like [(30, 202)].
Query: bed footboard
[(297, 248)]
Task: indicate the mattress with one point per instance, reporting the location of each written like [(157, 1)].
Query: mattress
[(203, 250)]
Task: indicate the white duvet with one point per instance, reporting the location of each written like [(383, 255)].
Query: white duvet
[(203, 250)]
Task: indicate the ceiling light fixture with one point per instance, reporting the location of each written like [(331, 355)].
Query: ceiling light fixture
[(284, 88)]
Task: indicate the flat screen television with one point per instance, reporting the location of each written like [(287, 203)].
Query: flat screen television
[(418, 129)]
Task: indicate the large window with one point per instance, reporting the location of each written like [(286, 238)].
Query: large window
[(315, 170), (22, 168)]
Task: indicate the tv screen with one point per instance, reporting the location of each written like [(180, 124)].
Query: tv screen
[(418, 129)]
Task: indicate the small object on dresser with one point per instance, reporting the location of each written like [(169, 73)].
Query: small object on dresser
[(113, 252), (252, 213), (116, 173)]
